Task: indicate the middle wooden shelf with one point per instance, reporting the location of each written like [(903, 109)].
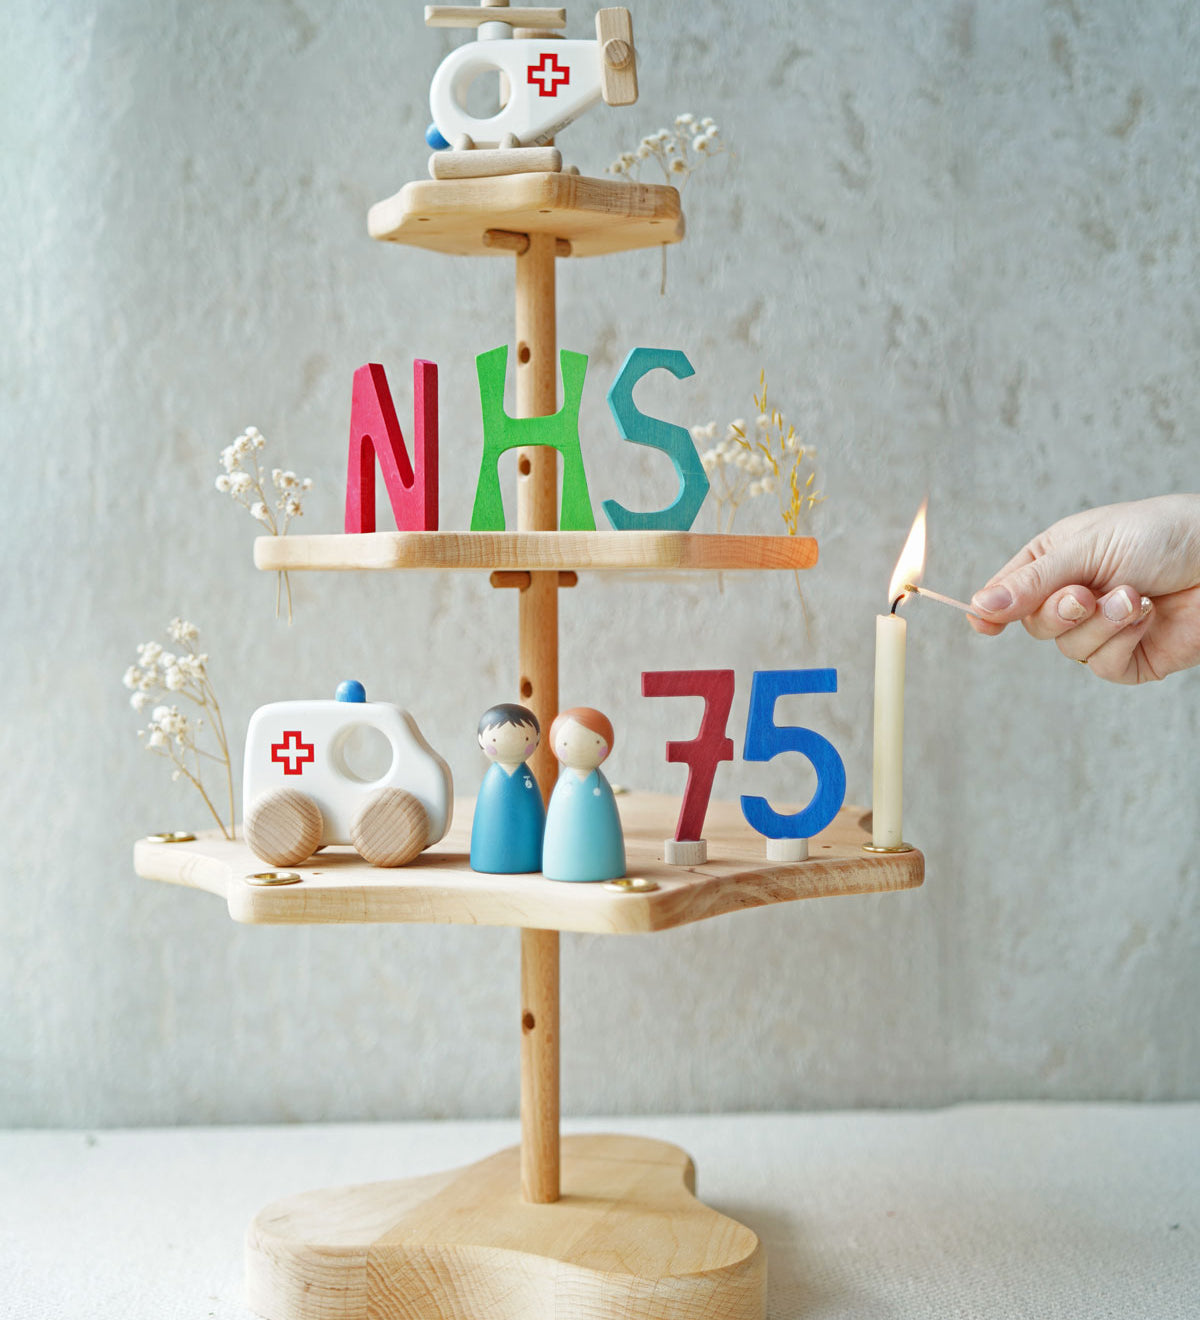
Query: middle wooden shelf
[(533, 551), (337, 886)]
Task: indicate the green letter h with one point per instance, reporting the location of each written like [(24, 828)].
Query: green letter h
[(558, 431)]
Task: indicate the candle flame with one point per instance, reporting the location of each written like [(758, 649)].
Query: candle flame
[(910, 567)]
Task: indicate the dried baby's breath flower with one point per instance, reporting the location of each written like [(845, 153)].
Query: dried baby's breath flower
[(170, 732), (244, 481), (765, 458), (679, 151), (729, 470), (178, 630), (774, 442)]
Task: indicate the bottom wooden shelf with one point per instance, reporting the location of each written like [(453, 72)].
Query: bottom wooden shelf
[(337, 886), (627, 1238)]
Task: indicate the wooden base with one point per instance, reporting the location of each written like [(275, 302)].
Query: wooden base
[(628, 1238)]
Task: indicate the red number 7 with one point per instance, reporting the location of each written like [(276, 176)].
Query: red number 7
[(710, 746)]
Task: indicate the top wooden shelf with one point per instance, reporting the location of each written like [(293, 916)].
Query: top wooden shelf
[(596, 216), (533, 551)]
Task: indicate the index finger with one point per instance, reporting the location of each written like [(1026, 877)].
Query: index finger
[(1023, 556), (984, 627)]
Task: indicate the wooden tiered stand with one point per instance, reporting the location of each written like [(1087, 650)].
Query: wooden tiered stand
[(598, 1226)]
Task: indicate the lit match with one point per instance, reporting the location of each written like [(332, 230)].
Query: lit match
[(915, 590)]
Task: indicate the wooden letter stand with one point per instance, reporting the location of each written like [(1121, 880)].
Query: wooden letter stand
[(601, 1227)]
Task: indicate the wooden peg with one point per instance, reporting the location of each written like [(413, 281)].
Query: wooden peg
[(488, 163), (468, 16), (463, 142), (506, 240), (519, 243), (787, 850), (618, 62), (618, 54), (511, 577), (685, 852), (520, 579)]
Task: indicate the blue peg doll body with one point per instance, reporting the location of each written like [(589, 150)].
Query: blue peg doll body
[(583, 839), (506, 833)]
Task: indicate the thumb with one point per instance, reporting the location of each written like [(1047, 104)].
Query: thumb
[(1016, 593)]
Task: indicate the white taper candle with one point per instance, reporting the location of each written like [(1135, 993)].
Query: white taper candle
[(891, 637), (887, 799)]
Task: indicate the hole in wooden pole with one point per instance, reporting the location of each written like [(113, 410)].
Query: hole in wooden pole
[(527, 1022), (526, 689), (524, 466), (523, 352)]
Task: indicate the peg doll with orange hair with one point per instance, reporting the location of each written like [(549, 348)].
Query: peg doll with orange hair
[(583, 839)]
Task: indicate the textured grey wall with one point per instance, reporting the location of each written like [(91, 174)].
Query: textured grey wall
[(962, 239)]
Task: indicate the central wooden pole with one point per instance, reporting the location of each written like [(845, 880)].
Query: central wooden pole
[(537, 510)]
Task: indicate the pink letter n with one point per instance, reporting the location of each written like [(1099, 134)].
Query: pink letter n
[(375, 433)]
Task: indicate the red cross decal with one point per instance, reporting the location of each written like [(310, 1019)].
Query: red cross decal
[(548, 70), (292, 749)]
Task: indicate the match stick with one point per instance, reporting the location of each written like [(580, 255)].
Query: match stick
[(937, 595)]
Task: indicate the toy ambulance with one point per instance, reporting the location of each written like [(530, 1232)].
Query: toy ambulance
[(302, 791)]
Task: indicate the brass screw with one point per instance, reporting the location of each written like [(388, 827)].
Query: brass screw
[(171, 836), (274, 878), (631, 884)]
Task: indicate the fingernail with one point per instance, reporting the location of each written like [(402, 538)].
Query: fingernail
[(1071, 609), (1118, 606), (992, 599)]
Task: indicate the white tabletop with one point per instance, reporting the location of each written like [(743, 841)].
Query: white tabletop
[(997, 1211)]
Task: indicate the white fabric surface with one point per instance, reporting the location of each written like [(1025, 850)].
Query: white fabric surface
[(993, 1211)]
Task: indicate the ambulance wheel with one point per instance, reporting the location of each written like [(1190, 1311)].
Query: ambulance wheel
[(391, 829), (284, 827)]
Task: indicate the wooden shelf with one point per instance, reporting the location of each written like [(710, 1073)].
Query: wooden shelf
[(440, 887), (596, 216), (651, 551)]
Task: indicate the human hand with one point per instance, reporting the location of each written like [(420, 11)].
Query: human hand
[(1116, 588)]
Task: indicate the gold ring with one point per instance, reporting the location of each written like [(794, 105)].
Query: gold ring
[(1079, 662)]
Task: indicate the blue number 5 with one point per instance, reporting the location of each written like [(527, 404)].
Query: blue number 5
[(765, 740)]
